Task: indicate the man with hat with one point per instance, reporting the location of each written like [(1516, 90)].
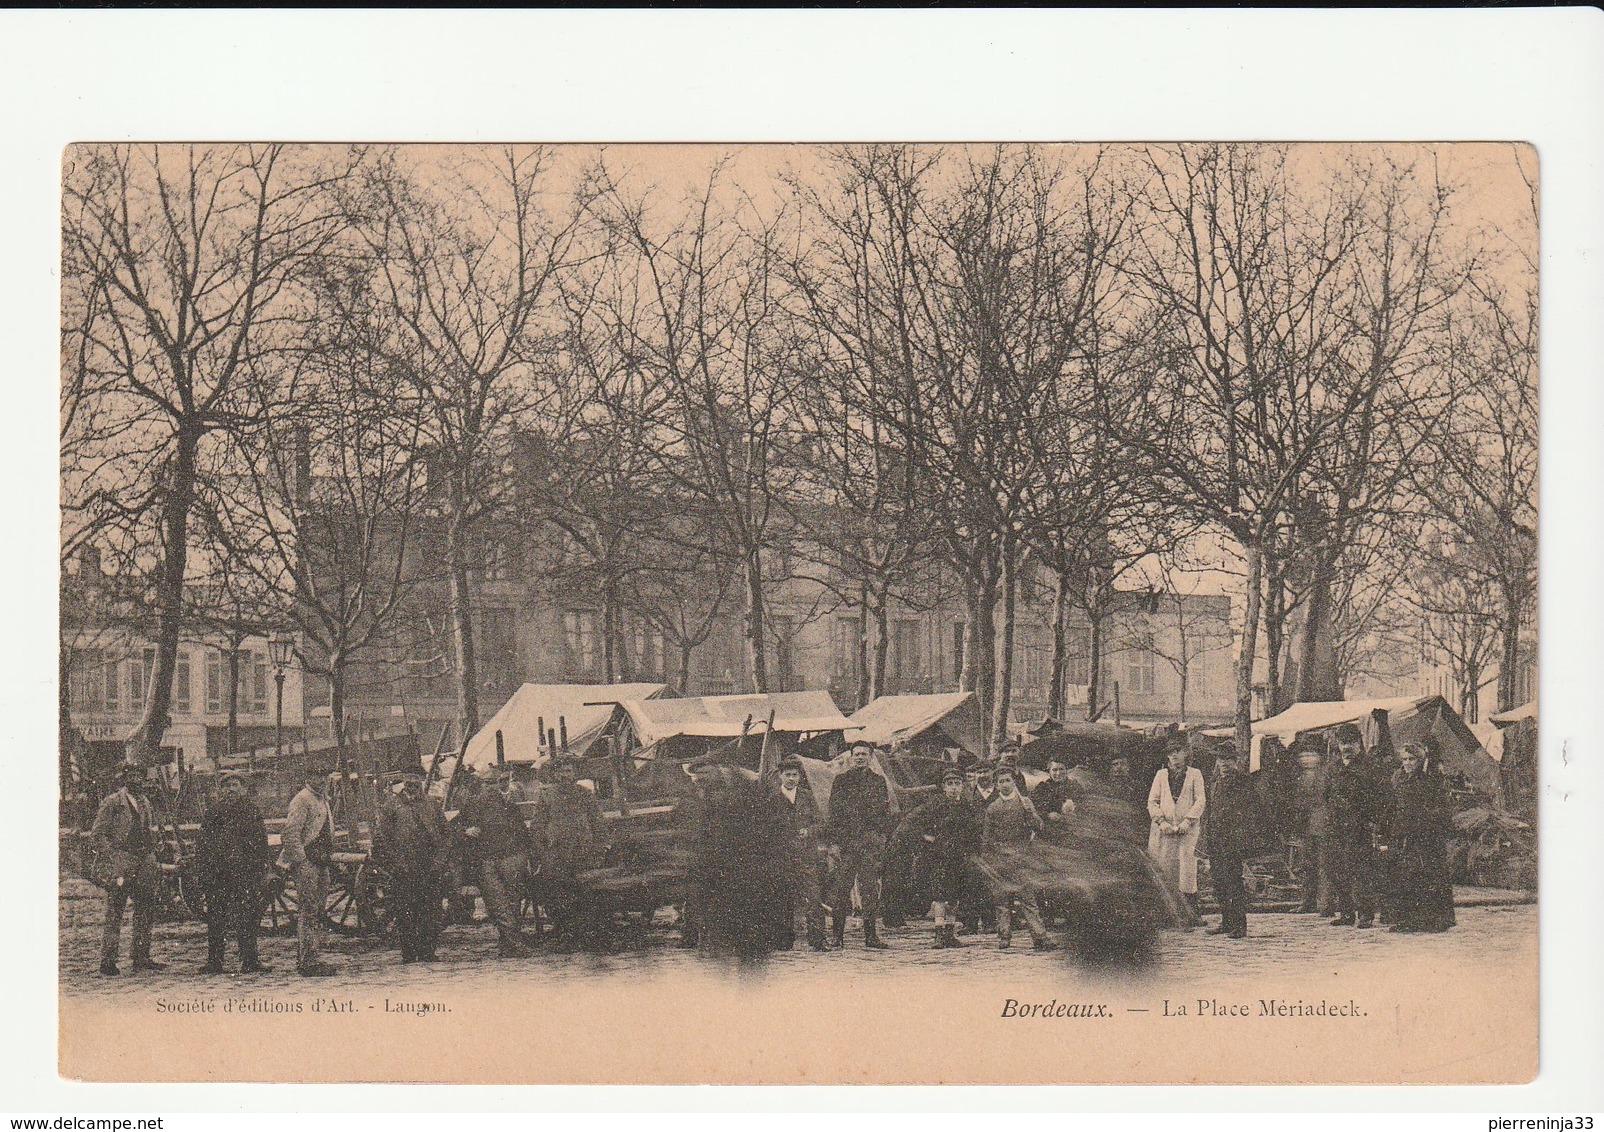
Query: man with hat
[(804, 821), (126, 868), (232, 863), (495, 847), (860, 817), (410, 844), (306, 845), (945, 827), (1356, 801), (980, 791), (569, 837), (1235, 829)]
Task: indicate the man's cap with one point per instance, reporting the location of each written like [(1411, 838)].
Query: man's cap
[(130, 772), (230, 776), (1010, 745), (1008, 772), (791, 762), (1349, 733), (952, 775), (1177, 743)]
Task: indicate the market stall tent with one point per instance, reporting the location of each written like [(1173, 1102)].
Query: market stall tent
[(725, 717), (1406, 718), (586, 709), (944, 720)]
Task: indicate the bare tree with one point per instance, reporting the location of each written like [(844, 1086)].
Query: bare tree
[(466, 256), (176, 260), (711, 334)]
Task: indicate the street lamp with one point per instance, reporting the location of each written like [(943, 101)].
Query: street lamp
[(279, 647)]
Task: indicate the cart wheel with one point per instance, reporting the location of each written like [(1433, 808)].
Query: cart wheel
[(372, 900), (342, 909), (278, 917)]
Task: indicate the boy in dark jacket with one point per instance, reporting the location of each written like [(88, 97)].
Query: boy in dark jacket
[(232, 860), (946, 826)]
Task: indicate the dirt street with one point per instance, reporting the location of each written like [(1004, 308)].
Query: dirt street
[(1278, 944)]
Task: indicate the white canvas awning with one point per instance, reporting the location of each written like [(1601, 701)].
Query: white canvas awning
[(586, 709), (890, 720), (722, 717)]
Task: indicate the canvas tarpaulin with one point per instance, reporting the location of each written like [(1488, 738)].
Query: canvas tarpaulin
[(585, 708), (1407, 718), (954, 716), (723, 717)]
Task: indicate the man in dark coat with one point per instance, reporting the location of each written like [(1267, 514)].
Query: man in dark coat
[(569, 837), (804, 824), (1356, 803), (125, 854), (410, 845), (945, 828), (232, 862), (860, 818), (1235, 826), (495, 849)]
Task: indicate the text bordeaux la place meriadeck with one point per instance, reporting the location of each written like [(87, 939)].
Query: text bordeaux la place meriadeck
[(1204, 1008)]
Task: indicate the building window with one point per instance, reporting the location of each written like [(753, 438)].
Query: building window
[(907, 657), (498, 648), (88, 686), (111, 675), (647, 650), (579, 640), (1035, 661), (180, 702), (844, 653), (258, 674), (214, 682), (1139, 668)]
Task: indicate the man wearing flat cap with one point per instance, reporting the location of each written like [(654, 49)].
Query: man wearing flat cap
[(945, 828), (232, 862), (306, 846), (1356, 799), (804, 823), (410, 844), (495, 847), (125, 853)]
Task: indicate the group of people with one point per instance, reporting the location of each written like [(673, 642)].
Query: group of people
[(771, 864), (1378, 834)]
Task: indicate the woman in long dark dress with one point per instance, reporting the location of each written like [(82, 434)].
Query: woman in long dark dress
[(1421, 824)]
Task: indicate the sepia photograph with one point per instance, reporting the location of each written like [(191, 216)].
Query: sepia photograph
[(878, 612)]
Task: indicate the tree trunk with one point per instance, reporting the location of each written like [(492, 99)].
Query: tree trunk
[(1274, 618), (684, 668), (1469, 696), (462, 635), (1184, 672), (1004, 674), (982, 644), (232, 734), (1055, 689), (1509, 665), (1250, 640), (882, 643), (967, 667), (337, 709), (145, 742), (1094, 662), (1317, 660), (757, 661), (609, 633)]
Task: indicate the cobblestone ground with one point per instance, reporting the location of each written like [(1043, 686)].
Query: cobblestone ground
[(1494, 931)]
